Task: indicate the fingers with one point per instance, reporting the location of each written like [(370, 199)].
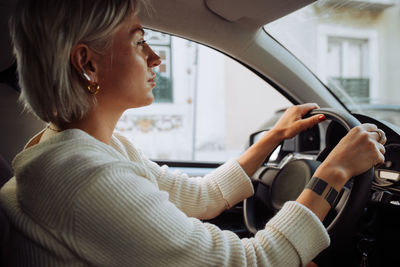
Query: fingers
[(382, 136), (381, 148), (381, 157), (376, 133), (379, 138), (311, 121), (369, 127), (291, 123), (305, 108)]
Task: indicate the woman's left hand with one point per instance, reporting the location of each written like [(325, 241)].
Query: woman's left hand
[(291, 123)]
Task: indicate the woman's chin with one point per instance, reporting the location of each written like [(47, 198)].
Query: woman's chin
[(151, 99), (148, 101), (143, 103)]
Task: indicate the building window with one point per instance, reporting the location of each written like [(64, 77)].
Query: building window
[(348, 67), (161, 44)]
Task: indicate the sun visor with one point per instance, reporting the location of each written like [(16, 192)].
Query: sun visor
[(6, 54), (258, 12)]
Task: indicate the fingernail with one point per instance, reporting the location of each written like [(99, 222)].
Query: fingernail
[(321, 117)]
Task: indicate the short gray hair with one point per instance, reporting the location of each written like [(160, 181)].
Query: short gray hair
[(43, 33)]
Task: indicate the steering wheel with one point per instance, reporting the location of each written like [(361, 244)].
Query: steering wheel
[(276, 185)]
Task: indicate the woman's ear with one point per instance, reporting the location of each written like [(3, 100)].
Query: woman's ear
[(83, 61)]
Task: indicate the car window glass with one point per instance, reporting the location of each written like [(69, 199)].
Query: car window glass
[(352, 46), (206, 105)]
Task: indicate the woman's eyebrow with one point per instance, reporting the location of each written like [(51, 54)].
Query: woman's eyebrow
[(136, 29)]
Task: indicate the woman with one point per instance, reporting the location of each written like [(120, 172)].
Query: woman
[(83, 196)]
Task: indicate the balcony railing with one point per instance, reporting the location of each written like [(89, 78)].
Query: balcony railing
[(364, 4)]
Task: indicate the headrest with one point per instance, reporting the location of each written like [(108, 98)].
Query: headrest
[(6, 54)]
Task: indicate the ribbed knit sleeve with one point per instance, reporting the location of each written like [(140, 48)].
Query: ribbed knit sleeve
[(122, 219), (200, 197), (205, 197)]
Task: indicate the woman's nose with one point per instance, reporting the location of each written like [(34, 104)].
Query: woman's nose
[(153, 60)]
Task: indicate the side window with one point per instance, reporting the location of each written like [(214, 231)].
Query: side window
[(206, 105)]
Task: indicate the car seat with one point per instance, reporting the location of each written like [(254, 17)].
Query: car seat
[(16, 125), (5, 174), (5, 171)]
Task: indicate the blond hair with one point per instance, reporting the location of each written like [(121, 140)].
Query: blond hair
[(43, 34)]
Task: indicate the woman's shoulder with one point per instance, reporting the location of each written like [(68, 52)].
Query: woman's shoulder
[(64, 165), (120, 140), (123, 145), (69, 150)]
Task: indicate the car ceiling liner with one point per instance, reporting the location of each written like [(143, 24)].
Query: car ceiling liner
[(254, 12)]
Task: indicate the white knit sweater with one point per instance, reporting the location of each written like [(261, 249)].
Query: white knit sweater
[(76, 201)]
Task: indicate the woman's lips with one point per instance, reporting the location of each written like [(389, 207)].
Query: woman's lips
[(152, 81)]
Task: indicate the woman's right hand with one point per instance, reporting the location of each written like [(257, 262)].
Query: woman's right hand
[(358, 151), (361, 149)]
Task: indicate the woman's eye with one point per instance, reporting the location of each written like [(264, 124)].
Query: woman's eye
[(142, 42)]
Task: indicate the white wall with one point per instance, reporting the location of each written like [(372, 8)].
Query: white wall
[(211, 104), (389, 28), (250, 103)]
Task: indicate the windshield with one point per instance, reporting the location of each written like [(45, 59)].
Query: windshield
[(353, 47)]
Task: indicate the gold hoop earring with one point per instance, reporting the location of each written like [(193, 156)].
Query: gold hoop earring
[(93, 88)]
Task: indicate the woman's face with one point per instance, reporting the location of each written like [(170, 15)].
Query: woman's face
[(125, 72)]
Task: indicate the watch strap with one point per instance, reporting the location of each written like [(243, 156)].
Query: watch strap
[(321, 187)]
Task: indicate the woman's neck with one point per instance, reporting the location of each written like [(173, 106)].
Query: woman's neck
[(98, 123)]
